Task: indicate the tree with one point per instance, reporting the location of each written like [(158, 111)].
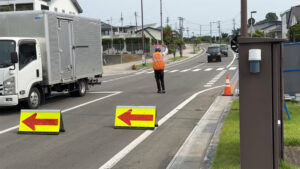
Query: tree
[(271, 16), (258, 34), (294, 33)]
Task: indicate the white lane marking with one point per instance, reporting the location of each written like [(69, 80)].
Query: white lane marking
[(207, 86), (120, 155), (233, 68), (173, 71), (219, 69), (166, 71), (69, 109), (119, 78), (196, 70), (197, 66), (208, 69), (138, 73), (185, 70), (234, 57), (150, 72)]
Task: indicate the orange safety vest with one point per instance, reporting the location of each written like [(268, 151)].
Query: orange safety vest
[(158, 61)]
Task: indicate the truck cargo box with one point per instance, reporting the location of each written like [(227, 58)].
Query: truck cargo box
[(70, 45)]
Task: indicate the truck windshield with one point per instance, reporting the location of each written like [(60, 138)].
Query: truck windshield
[(6, 48)]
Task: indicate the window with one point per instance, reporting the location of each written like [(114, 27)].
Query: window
[(24, 7), (5, 8), (63, 11), (44, 7), (27, 54), (55, 9), (6, 48)]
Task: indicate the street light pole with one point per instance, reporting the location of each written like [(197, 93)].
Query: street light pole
[(252, 12), (161, 23), (244, 28)]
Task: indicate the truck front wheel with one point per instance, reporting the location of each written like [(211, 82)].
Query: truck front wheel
[(34, 99)]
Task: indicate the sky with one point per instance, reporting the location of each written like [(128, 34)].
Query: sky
[(194, 12)]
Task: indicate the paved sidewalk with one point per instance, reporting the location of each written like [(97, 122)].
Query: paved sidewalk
[(199, 148), (125, 68)]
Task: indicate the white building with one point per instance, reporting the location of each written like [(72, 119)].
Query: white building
[(63, 6)]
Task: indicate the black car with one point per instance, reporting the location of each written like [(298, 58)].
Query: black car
[(224, 49), (214, 54)]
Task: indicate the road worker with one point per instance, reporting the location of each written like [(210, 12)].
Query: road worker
[(159, 66)]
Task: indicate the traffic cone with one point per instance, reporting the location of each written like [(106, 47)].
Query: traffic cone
[(227, 91)]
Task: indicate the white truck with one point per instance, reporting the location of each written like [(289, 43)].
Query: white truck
[(42, 51)]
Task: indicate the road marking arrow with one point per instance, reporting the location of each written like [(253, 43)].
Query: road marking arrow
[(32, 121), (127, 117)]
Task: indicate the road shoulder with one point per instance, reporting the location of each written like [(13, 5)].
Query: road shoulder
[(199, 148)]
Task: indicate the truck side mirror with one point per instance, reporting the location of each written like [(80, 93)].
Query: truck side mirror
[(14, 57)]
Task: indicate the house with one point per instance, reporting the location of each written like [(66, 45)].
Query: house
[(63, 6), (271, 29), (290, 18), (154, 34)]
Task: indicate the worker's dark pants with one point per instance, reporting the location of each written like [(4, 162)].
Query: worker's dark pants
[(159, 77)]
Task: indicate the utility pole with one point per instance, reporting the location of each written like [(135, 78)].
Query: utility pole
[(188, 32), (161, 23), (200, 30), (244, 27), (233, 24), (143, 36), (122, 19), (219, 26), (111, 32), (210, 24), (168, 20), (135, 14), (181, 32)]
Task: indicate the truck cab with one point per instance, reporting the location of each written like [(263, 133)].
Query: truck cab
[(20, 71)]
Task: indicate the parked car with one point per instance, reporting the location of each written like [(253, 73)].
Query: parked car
[(224, 50), (214, 54)]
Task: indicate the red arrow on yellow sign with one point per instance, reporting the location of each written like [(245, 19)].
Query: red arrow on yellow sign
[(127, 117), (32, 121)]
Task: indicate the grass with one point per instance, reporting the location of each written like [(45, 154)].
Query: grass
[(228, 152), (178, 58), (292, 127), (142, 66)]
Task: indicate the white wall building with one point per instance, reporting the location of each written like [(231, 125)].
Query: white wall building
[(62, 6)]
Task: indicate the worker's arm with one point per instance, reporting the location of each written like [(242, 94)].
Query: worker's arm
[(166, 51)]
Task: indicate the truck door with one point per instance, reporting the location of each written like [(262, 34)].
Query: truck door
[(30, 67), (65, 49)]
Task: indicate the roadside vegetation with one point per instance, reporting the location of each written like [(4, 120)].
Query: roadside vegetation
[(144, 66), (178, 58), (228, 151)]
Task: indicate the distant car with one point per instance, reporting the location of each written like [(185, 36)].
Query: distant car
[(224, 50), (214, 54)]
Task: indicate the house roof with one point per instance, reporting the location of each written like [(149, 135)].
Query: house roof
[(75, 2), (294, 13)]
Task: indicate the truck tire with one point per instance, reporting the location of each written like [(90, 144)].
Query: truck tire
[(81, 89), (34, 98)]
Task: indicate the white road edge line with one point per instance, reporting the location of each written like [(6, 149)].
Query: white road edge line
[(120, 155), (69, 109), (234, 56)]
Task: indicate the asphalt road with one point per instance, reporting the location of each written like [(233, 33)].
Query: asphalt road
[(90, 140)]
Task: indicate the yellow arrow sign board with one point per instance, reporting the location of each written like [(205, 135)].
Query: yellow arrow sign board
[(40, 121), (135, 117)]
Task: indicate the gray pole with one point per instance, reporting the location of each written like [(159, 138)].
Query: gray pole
[(161, 23), (135, 14), (244, 28), (143, 36)]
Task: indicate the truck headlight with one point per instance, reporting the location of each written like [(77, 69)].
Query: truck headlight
[(9, 86)]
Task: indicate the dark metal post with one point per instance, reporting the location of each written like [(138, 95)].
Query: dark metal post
[(161, 23), (244, 27)]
